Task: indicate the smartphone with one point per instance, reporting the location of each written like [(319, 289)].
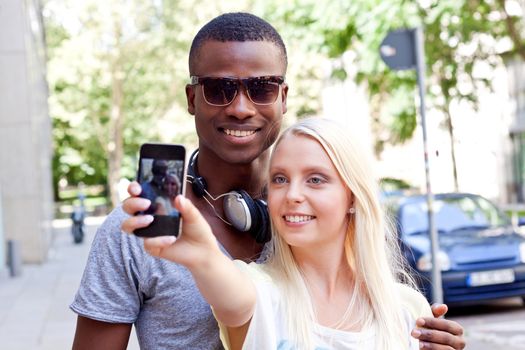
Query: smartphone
[(161, 174)]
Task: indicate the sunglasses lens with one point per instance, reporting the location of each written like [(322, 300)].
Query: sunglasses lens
[(222, 91), (262, 91), (219, 91)]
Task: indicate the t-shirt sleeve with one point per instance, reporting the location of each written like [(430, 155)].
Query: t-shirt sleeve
[(416, 304), (109, 289)]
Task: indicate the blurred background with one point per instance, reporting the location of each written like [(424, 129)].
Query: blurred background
[(84, 83)]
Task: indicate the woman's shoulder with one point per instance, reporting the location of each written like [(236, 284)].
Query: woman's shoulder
[(413, 301)]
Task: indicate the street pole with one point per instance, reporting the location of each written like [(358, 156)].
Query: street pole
[(437, 289)]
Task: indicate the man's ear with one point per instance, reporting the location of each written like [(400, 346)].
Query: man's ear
[(190, 98), (284, 95)]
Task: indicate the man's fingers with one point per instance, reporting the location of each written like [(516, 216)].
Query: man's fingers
[(436, 340), (134, 188), (439, 334), (431, 346), (134, 222), (441, 324), (133, 205)]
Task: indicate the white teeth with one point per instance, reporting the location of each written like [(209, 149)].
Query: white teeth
[(239, 133), (298, 218)]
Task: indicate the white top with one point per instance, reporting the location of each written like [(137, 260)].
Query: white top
[(267, 329), (167, 206)]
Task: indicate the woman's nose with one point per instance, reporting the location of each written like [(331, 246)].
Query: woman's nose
[(294, 193)]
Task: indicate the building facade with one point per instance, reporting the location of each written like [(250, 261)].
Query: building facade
[(25, 133)]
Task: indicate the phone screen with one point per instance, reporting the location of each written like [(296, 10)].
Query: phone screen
[(161, 175), (161, 181)]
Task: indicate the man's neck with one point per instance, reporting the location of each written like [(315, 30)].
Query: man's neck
[(222, 177)]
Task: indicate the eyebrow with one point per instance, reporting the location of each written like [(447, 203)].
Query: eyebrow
[(311, 169)]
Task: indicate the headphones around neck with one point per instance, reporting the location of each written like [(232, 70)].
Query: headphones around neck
[(243, 212)]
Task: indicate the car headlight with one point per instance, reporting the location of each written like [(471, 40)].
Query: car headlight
[(522, 252), (425, 262)]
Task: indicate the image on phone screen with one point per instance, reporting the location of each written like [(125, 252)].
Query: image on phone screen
[(161, 182)]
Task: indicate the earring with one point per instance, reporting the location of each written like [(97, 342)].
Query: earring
[(351, 210)]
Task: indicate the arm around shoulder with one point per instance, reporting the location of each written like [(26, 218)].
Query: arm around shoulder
[(432, 332)]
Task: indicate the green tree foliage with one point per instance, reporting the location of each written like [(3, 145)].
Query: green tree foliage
[(115, 71), (302, 36), (337, 27), (462, 39)]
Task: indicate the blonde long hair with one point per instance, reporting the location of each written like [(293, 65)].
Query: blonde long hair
[(370, 247)]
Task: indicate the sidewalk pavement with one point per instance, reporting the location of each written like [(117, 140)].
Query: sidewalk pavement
[(34, 307)]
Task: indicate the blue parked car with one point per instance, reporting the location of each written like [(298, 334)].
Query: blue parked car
[(481, 255)]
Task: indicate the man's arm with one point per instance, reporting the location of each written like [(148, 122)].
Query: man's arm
[(92, 334), (437, 333)]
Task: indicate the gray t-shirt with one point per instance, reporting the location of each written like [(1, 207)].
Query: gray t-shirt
[(124, 284)]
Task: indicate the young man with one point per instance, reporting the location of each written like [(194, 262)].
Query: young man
[(236, 119)]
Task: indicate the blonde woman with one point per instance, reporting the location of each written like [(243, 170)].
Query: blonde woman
[(331, 278), (166, 199)]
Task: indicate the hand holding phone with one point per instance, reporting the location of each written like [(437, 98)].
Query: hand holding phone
[(161, 175)]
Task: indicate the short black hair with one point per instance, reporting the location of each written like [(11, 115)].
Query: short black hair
[(236, 26)]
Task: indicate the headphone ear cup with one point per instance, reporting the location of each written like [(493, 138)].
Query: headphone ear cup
[(257, 225), (255, 215), (262, 232), (239, 210)]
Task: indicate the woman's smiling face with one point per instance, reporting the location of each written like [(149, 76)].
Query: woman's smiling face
[(307, 199)]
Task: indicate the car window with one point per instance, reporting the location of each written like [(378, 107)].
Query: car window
[(451, 214)]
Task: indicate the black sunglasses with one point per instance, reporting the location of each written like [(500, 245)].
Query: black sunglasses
[(222, 91)]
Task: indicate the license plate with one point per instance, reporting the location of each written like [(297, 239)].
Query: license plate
[(486, 278)]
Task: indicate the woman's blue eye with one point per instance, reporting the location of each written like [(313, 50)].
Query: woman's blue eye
[(316, 180), (279, 179)]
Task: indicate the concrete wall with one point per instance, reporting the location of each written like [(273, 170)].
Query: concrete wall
[(25, 130)]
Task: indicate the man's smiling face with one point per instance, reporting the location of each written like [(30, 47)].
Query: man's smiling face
[(239, 132)]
